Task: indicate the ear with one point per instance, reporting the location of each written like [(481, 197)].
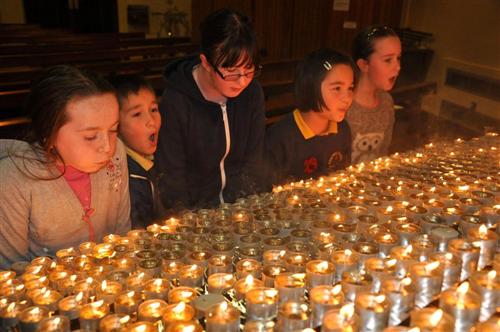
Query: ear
[(362, 65), (205, 64)]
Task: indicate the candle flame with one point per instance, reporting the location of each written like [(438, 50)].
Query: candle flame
[(432, 200), (323, 266), (179, 308), (223, 306), (57, 320), (282, 253), (157, 282), (389, 209), (97, 304), (141, 275), (35, 311), (37, 269), (104, 285), (73, 277), (336, 289), (391, 262), (491, 276), (89, 280), (436, 317), (124, 319), (408, 250), (347, 311), (483, 231), (249, 280), (271, 293), (448, 256), (299, 276), (19, 287), (155, 305), (406, 281), (347, 253), (414, 329), (79, 296), (246, 264), (11, 307), (462, 289), (43, 279), (131, 294), (186, 294), (431, 266), (141, 328), (379, 298)]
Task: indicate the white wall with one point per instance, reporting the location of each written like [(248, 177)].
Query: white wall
[(467, 37)]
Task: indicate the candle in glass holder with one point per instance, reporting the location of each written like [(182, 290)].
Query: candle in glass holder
[(344, 261), (151, 267), (87, 287), (462, 304), (247, 267), (9, 313), (270, 272), (70, 306), (223, 317), (468, 253), (407, 232), (273, 257), (364, 222), (199, 258), (341, 320), (92, 313), (431, 319), (365, 250), (108, 290), (422, 247), (404, 259), (487, 284), (487, 241), (13, 290), (291, 286), (427, 279), (373, 310), (319, 272), (114, 322), (219, 283), (126, 264), (191, 276), (7, 275), (171, 270), (380, 269), (324, 298), (261, 303), (177, 312), (142, 327), (30, 318), (385, 241), (127, 303), (442, 235), (47, 300), (470, 221), (182, 294), (451, 266), (219, 264), (54, 324), (156, 289), (242, 286), (354, 282), (179, 326), (401, 295), (137, 280), (151, 310), (293, 316)]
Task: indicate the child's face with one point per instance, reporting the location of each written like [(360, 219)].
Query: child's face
[(337, 92), (384, 63), (88, 140), (140, 122)]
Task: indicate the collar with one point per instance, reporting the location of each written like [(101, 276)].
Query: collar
[(306, 131), (144, 162)]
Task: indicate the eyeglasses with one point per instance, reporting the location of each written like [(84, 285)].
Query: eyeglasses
[(235, 77)]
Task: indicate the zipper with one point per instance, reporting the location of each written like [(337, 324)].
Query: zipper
[(228, 146)]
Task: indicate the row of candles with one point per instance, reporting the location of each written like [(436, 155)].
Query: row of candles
[(360, 250)]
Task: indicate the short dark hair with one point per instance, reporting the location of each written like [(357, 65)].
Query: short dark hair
[(226, 37), (50, 94), (363, 43), (311, 72), (130, 83)]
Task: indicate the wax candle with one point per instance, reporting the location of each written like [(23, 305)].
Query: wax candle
[(114, 322), (431, 319), (365, 250), (219, 283), (487, 284), (344, 261), (156, 289), (407, 232), (108, 290), (182, 294), (30, 318), (380, 269), (373, 310), (242, 286), (291, 286), (247, 267), (319, 272), (219, 264), (442, 235), (273, 257), (127, 303), (92, 313), (142, 327), (487, 245), (9, 313), (324, 298), (47, 300), (151, 310), (261, 303), (178, 312), (355, 282), (404, 259), (171, 270), (386, 241), (293, 316), (70, 306), (191, 275), (428, 279), (401, 295), (223, 317), (462, 304), (422, 247), (341, 320), (54, 324), (468, 254), (270, 272), (451, 266)]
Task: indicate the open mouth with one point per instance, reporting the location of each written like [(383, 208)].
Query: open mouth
[(152, 137)]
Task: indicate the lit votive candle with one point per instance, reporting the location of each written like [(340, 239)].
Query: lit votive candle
[(13, 289), (344, 261), (219, 264), (273, 257), (261, 303), (191, 326), (114, 322), (296, 262), (319, 272), (324, 298), (9, 313), (151, 267), (427, 279), (247, 267), (30, 318), (48, 300), (401, 296), (451, 266), (373, 310), (293, 316), (423, 246), (404, 257), (108, 290), (341, 320), (487, 284), (142, 327), (364, 222), (127, 303), (219, 283), (386, 241), (156, 289), (92, 313), (431, 319), (199, 258), (171, 270), (70, 306), (407, 232), (191, 275), (223, 317), (354, 282), (468, 254), (365, 250), (380, 269), (87, 287), (54, 324), (177, 312), (182, 294), (151, 310), (462, 304), (442, 235), (470, 221), (136, 281), (86, 248), (270, 272), (291, 286), (242, 286), (487, 245), (126, 264)]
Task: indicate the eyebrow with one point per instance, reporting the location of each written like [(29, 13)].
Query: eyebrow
[(156, 101), (336, 83), (96, 128)]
